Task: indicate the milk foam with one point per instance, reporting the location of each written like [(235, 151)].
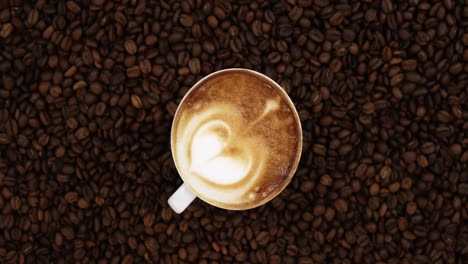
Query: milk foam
[(235, 140), (216, 152), (209, 157)]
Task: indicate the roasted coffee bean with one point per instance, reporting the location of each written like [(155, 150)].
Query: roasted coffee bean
[(4, 138), (136, 101), (387, 6), (71, 197), (33, 17), (194, 65), (130, 46), (341, 205), (262, 238), (6, 30), (82, 133)]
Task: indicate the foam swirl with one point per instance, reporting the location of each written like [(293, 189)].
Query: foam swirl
[(216, 157), (220, 152)]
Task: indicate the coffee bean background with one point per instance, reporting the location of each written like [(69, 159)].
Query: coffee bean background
[(88, 91)]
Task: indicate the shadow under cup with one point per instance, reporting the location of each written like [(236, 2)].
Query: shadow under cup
[(236, 140)]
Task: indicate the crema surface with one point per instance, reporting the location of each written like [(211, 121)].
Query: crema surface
[(235, 140)]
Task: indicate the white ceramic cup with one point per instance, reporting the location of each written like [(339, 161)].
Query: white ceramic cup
[(184, 195)]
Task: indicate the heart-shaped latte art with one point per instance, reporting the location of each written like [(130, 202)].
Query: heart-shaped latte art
[(216, 155)]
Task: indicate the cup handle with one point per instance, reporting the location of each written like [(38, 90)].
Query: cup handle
[(181, 199)]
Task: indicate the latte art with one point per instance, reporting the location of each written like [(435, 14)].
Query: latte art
[(234, 140), (219, 151)]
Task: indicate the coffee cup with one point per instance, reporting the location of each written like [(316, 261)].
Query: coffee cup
[(236, 141)]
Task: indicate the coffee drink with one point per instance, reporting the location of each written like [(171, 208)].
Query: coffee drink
[(236, 139)]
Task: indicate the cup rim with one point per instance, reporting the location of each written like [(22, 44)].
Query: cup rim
[(299, 147)]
